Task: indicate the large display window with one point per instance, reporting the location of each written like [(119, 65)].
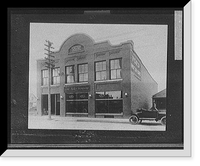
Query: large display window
[(109, 102), (77, 103)]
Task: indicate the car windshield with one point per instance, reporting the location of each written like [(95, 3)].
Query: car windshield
[(153, 109)]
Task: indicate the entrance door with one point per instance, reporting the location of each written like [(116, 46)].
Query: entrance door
[(55, 104), (44, 104)]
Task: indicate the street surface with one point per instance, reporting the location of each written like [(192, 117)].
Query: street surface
[(85, 123)]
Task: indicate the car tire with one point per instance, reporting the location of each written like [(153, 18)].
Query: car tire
[(133, 119), (163, 120)]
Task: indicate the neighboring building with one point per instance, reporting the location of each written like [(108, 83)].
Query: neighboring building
[(160, 100), (32, 101), (95, 80)]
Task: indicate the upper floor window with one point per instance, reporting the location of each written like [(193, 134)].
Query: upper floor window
[(115, 69), (83, 73), (56, 76), (44, 77), (100, 70), (69, 70)]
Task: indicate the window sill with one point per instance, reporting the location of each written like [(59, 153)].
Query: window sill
[(46, 86), (108, 80), (76, 83), (55, 85)]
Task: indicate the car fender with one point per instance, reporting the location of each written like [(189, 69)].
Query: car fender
[(134, 115), (163, 117)]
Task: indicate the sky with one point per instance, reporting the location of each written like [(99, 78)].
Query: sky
[(150, 44)]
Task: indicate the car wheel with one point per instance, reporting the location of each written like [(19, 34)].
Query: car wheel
[(163, 120), (133, 119)]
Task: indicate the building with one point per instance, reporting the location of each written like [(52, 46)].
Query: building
[(160, 100), (32, 101), (95, 80)]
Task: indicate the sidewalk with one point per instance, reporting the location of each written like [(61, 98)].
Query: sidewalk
[(86, 123)]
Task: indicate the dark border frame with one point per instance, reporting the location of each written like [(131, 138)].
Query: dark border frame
[(20, 137)]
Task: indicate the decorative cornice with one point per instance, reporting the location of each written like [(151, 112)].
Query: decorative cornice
[(97, 54), (80, 57), (115, 51), (70, 59), (75, 58)]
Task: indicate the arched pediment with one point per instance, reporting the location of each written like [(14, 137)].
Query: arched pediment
[(76, 43)]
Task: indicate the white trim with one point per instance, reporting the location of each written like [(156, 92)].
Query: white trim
[(187, 80)]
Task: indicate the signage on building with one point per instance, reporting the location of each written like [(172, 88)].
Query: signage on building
[(136, 67), (74, 89)]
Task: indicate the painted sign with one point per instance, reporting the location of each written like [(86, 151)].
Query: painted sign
[(74, 89), (136, 67)]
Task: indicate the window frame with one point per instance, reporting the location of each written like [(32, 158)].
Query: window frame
[(115, 69), (95, 71), (71, 74), (78, 74), (46, 78), (57, 76)]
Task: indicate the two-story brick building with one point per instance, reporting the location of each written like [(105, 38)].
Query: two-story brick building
[(95, 80)]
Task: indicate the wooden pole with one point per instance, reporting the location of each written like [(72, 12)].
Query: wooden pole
[(49, 66)]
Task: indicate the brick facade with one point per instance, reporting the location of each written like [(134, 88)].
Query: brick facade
[(135, 83)]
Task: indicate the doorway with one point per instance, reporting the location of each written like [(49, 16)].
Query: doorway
[(44, 104), (55, 104)]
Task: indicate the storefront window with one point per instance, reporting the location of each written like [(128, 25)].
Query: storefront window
[(77, 103), (114, 94), (102, 106), (109, 102), (69, 70)]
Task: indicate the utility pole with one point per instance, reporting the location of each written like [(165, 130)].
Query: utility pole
[(50, 64)]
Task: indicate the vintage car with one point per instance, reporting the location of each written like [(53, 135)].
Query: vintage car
[(151, 114)]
